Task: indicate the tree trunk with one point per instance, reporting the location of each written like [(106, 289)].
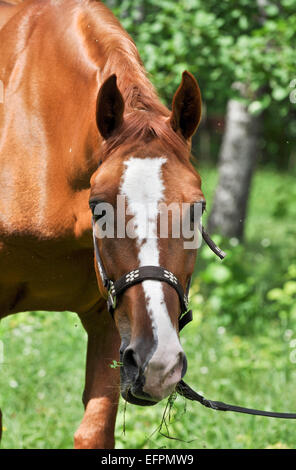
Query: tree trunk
[(237, 161)]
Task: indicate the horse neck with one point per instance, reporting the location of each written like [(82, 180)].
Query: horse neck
[(102, 48)]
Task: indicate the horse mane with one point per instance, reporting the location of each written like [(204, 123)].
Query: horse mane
[(114, 51), (146, 118)]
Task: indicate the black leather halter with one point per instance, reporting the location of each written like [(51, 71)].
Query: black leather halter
[(138, 275), (158, 273)]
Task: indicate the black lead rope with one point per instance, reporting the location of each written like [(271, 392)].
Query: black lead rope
[(187, 392), (161, 274)]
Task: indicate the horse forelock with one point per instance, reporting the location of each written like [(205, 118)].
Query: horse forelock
[(143, 127)]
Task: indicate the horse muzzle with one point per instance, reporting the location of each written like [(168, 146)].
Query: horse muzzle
[(147, 384)]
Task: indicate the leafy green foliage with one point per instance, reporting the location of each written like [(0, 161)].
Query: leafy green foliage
[(223, 43), (284, 297), (115, 364), (250, 286), (219, 42)]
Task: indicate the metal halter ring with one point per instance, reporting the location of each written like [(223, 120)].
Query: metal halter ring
[(112, 300)]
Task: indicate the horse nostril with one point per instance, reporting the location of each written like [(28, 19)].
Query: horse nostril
[(129, 359), (180, 366), (184, 368)]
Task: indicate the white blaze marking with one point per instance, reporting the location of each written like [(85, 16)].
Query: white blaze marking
[(143, 187)]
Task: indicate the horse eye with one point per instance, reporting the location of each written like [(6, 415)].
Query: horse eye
[(94, 207)]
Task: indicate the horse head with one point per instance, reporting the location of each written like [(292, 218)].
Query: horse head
[(145, 167)]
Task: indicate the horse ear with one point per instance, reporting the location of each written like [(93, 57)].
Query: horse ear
[(186, 108), (110, 107)]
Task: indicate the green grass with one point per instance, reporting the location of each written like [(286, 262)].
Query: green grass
[(41, 380)]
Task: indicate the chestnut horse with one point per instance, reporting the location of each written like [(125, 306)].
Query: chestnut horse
[(81, 121)]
